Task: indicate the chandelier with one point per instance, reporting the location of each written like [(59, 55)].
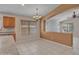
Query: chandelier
[(36, 16)]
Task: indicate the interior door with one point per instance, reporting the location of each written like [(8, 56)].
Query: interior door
[(29, 29)]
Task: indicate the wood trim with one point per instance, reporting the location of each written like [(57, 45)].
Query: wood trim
[(61, 8), (63, 38)]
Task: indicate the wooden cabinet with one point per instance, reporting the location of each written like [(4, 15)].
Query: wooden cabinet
[(8, 22)]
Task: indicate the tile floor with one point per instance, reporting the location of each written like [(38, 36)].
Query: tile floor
[(7, 45), (42, 47), (32, 47)]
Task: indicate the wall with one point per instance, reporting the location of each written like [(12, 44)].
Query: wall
[(63, 38), (53, 24), (75, 22), (53, 28), (19, 36), (17, 24)]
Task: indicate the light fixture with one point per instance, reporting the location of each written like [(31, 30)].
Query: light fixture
[(36, 16)]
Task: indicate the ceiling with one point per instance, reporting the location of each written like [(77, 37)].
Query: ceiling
[(27, 9)]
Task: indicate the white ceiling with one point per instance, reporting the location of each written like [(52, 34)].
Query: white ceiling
[(27, 9)]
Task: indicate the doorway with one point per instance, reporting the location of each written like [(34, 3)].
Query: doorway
[(29, 29)]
